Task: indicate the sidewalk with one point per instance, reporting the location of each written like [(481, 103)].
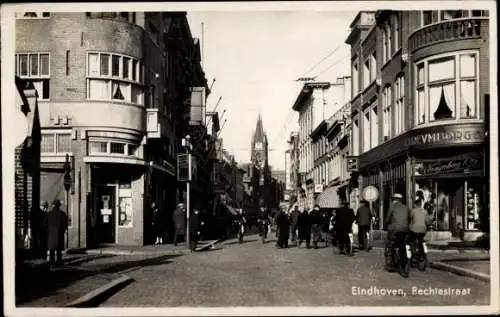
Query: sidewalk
[(162, 249), (82, 278)]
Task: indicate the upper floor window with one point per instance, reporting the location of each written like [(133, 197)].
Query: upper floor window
[(56, 143), (355, 78), (387, 37), (396, 33), (35, 67), (387, 110), (369, 70), (429, 17), (447, 87), (114, 77), (399, 105), (32, 15), (111, 147)]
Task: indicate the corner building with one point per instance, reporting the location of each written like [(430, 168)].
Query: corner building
[(103, 81), (420, 112)]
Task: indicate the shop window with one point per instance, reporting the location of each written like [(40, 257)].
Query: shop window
[(126, 81), (473, 206), (125, 212), (33, 15)]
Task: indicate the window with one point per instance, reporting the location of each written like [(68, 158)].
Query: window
[(98, 147), (387, 105), (396, 33), (117, 148), (355, 78), (374, 126), (366, 74), (387, 44), (429, 17), (152, 96), (56, 143), (124, 84), (421, 113), (33, 15), (131, 148), (399, 106), (373, 67), (35, 67), (366, 130)]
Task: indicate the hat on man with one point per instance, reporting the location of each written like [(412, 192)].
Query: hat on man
[(397, 196)]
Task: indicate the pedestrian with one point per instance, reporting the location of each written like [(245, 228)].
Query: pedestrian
[(344, 218), (304, 226), (419, 222), (57, 224), (363, 217), (39, 230), (294, 218), (156, 223), (194, 229), (179, 219), (283, 223), (316, 224)]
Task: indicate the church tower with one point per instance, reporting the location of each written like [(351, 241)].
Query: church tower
[(259, 145)]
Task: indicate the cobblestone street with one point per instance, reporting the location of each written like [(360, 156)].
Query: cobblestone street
[(253, 274)]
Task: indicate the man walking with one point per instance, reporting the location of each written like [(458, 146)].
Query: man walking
[(316, 224), (397, 223), (363, 217), (282, 223), (344, 219), (294, 218), (304, 226), (57, 223), (179, 219)]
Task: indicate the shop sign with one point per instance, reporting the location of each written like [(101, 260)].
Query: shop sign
[(318, 188), (370, 193), (447, 135), (453, 166), (352, 163)]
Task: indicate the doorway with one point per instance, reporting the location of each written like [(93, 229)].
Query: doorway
[(105, 214)]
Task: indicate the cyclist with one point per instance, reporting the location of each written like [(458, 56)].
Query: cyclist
[(418, 223), (397, 222)]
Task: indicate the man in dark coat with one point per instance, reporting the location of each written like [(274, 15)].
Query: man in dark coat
[(283, 223), (194, 229), (344, 219), (179, 219), (364, 217), (294, 218), (57, 224), (304, 226), (316, 224), (156, 223), (40, 230)]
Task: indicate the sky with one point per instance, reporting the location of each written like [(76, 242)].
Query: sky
[(256, 57)]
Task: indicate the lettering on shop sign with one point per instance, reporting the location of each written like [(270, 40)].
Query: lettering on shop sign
[(462, 166), (453, 136)]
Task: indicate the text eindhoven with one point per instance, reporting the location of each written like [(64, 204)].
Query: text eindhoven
[(447, 136)]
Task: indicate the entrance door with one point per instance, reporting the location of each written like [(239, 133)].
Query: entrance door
[(105, 212)]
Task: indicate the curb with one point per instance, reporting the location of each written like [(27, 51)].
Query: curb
[(93, 298), (130, 252), (454, 251), (460, 271)]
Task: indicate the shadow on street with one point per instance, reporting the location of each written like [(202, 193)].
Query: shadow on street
[(32, 285), (244, 241)]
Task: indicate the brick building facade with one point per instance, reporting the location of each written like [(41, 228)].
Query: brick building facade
[(112, 94), (418, 112)]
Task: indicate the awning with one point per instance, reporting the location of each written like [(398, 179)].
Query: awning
[(329, 198), (232, 210)]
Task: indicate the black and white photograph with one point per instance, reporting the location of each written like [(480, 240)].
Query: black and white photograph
[(249, 158)]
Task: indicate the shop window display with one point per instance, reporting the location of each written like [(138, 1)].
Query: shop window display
[(473, 208)]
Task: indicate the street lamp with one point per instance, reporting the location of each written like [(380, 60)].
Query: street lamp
[(186, 143)]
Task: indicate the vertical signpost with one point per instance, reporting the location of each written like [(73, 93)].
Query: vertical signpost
[(184, 174), (67, 187), (370, 194)]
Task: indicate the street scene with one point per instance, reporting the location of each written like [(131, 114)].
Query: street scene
[(183, 158)]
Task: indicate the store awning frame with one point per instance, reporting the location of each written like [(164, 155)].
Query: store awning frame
[(329, 198)]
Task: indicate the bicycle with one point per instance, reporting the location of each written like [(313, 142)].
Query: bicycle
[(400, 255)]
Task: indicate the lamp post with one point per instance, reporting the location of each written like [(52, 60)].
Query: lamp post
[(187, 145)]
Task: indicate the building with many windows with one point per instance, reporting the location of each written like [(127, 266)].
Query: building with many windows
[(112, 92), (419, 112)]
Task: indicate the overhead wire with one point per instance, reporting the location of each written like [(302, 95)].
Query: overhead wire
[(322, 60)]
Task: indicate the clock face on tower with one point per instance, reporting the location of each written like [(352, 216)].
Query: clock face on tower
[(258, 146)]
